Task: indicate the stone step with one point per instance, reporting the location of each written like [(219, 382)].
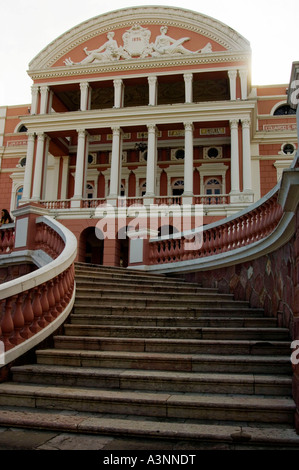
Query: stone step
[(220, 435), (138, 301), (119, 379), (246, 322), (177, 346), (173, 311), (166, 361), (124, 273), (101, 280), (159, 404), (165, 294), (264, 334)]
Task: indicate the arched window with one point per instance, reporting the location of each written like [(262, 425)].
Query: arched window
[(213, 187), (122, 190), (178, 187), (19, 194), (143, 189), (89, 191), (283, 110)]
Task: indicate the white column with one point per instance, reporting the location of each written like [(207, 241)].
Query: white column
[(64, 177), (188, 78), (28, 168), (151, 161), (152, 81), (247, 181), (118, 93), (232, 74), (243, 76), (188, 161), (84, 96), (38, 170), (80, 164), (45, 167), (44, 91), (235, 184), (115, 170), (34, 100)]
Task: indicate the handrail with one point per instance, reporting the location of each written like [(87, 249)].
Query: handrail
[(34, 305), (227, 240)]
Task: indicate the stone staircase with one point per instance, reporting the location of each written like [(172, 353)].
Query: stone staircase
[(148, 356)]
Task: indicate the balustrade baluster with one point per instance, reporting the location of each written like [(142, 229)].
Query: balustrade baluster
[(46, 316), (7, 325), (18, 319), (28, 316), (57, 296), (37, 310)]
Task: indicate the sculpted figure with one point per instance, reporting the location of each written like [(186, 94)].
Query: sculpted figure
[(108, 51), (165, 45)]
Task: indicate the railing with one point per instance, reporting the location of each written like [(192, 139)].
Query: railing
[(243, 230), (35, 304), (62, 204), (212, 200), (7, 238)]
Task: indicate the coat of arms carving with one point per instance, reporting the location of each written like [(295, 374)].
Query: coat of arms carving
[(136, 44)]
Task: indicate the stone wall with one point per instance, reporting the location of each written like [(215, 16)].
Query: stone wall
[(270, 282)]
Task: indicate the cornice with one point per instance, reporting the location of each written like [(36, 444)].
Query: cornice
[(145, 15), (97, 119), (139, 65)]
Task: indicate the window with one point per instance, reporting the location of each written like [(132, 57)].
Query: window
[(19, 195), (288, 149), (283, 110), (213, 188), (89, 191), (178, 188), (143, 189)]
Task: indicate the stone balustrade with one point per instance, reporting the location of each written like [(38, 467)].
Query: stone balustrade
[(32, 306)]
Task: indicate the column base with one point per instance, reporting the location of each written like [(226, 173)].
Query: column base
[(76, 203)]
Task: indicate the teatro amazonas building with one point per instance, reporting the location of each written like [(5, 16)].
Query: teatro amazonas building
[(144, 107)]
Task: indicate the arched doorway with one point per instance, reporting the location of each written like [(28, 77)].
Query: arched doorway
[(123, 243), (91, 248)]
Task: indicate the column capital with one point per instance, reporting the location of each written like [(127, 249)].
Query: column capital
[(151, 128), (30, 135), (41, 136), (246, 122), (44, 88), (81, 132), (84, 85), (116, 130), (189, 126), (152, 79), (188, 77), (232, 74), (117, 82), (234, 123), (243, 73), (35, 89)]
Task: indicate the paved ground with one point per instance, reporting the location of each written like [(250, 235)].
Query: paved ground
[(26, 439)]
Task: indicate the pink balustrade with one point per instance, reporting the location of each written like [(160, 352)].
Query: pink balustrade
[(7, 239), (236, 233), (26, 313)]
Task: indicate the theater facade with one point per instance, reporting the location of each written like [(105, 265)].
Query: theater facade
[(140, 112)]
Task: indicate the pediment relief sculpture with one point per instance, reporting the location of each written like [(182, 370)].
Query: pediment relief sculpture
[(136, 44)]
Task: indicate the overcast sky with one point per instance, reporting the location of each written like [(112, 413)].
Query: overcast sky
[(27, 26)]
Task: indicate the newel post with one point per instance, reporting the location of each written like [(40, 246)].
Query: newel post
[(25, 225)]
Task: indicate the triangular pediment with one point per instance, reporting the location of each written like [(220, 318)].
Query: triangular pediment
[(140, 34)]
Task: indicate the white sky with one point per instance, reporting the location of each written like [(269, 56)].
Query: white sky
[(27, 26)]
